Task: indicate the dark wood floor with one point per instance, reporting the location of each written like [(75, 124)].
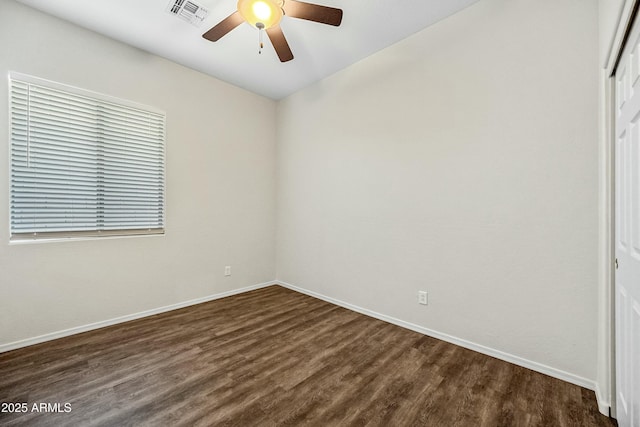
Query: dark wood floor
[(277, 357)]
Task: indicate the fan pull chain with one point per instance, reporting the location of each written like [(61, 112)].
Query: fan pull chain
[(261, 44), (260, 27)]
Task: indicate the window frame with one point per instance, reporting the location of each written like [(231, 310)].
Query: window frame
[(20, 237)]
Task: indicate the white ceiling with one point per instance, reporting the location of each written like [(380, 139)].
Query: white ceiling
[(320, 50)]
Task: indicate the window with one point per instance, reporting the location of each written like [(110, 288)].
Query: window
[(83, 164)]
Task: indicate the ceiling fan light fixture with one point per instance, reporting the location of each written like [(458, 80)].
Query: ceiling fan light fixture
[(261, 10), (266, 12), (266, 15)]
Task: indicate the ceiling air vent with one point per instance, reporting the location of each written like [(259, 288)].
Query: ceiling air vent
[(188, 11)]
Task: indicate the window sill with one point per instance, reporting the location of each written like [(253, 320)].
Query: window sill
[(79, 239)]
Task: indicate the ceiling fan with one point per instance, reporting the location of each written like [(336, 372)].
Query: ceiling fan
[(266, 15)]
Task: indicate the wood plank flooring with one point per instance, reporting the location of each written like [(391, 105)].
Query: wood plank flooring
[(274, 357)]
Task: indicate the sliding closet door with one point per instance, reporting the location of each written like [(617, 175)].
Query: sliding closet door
[(627, 235)]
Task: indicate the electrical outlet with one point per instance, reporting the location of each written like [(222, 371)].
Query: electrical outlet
[(227, 270), (422, 298)]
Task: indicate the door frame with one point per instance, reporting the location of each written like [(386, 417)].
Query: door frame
[(606, 375)]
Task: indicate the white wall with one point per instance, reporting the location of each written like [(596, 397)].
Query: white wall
[(608, 16), (462, 161), (220, 187)]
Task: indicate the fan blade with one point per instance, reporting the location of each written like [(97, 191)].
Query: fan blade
[(223, 27), (313, 12), (280, 43)]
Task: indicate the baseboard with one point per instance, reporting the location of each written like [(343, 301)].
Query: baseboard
[(97, 325), (516, 360), (604, 405)]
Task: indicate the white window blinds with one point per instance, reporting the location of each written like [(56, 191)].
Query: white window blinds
[(83, 164)]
